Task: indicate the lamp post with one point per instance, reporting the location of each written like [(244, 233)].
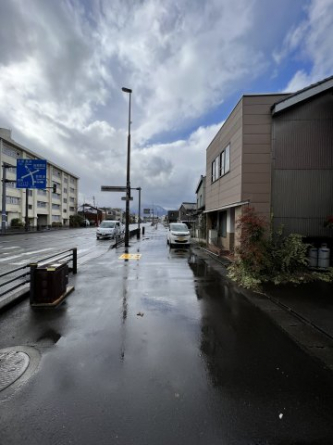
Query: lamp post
[(128, 181)]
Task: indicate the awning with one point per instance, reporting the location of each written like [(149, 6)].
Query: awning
[(228, 206)]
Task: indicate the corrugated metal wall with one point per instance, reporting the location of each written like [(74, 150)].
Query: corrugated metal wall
[(302, 169)]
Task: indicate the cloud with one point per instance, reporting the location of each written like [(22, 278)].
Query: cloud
[(171, 171), (310, 41), (63, 64)]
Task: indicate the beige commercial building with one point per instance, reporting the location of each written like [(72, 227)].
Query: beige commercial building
[(45, 207), (273, 153)]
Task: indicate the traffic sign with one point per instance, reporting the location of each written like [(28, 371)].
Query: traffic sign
[(123, 198), (146, 211), (31, 173), (113, 188)]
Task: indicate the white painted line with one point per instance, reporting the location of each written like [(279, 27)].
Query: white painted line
[(25, 254)]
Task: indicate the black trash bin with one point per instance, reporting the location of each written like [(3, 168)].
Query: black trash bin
[(49, 284)]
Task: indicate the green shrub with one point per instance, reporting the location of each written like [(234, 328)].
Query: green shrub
[(266, 256), (289, 254), (56, 224), (16, 222)]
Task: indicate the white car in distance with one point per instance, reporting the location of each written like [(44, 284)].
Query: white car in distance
[(108, 229), (178, 235)]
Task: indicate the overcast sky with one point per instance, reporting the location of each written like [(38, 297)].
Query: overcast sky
[(63, 64)]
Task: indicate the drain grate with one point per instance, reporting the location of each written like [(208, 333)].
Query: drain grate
[(12, 365)]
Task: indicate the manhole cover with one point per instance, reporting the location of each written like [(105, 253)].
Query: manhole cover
[(12, 365)]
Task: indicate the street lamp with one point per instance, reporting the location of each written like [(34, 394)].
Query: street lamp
[(128, 181)]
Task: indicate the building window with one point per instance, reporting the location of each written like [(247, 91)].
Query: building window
[(216, 169), (66, 179), (56, 206), (65, 200), (71, 209), (56, 172), (71, 199), (11, 170), (56, 218), (71, 190), (217, 166), (213, 171), (227, 159), (71, 180), (10, 152), (221, 164), (41, 192), (42, 204), (11, 185), (65, 210), (65, 190), (29, 192), (13, 200)]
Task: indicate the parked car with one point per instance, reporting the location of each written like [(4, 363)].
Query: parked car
[(108, 229), (178, 234)]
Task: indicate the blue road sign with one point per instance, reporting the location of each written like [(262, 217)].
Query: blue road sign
[(31, 173)]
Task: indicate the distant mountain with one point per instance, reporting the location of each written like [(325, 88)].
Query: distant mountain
[(154, 209)]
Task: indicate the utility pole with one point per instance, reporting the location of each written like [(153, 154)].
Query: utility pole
[(3, 212), (128, 180), (26, 210)]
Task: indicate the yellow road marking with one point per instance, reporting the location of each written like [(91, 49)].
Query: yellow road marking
[(130, 256)]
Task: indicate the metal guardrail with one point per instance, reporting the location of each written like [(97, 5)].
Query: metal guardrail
[(121, 239), (18, 279)]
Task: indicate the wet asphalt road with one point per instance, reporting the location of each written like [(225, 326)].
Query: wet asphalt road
[(160, 350), (18, 250)]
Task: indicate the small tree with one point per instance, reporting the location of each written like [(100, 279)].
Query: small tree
[(252, 250), (76, 220), (253, 260)]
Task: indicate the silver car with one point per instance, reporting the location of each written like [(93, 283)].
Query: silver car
[(108, 229)]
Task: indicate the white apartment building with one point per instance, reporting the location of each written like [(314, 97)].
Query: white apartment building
[(44, 206)]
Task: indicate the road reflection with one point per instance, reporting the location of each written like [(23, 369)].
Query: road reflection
[(179, 252), (218, 317)]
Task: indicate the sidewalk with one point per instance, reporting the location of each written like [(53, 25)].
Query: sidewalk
[(304, 312)]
